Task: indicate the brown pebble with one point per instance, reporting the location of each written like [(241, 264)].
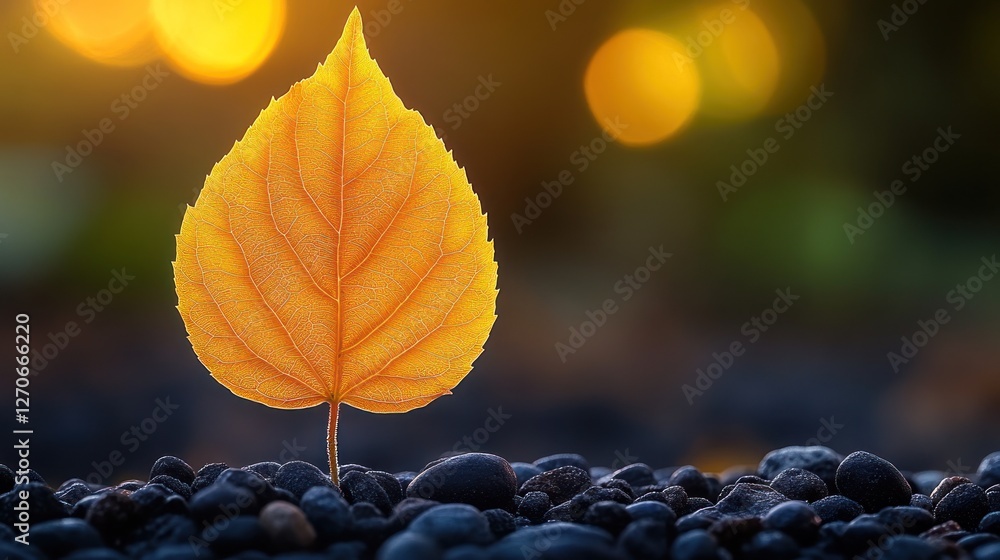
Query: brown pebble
[(286, 525)]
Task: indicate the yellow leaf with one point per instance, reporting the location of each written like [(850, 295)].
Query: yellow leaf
[(338, 253)]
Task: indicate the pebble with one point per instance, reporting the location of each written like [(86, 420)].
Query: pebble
[(231, 536), (635, 474), (872, 482), (6, 479), (501, 522), (478, 479), (524, 471), (389, 483), (608, 515), (298, 477), (800, 484), (988, 473), (819, 460), (771, 545), (990, 523), (287, 526), (362, 487), (795, 519), (174, 485), (266, 469), (452, 524), (113, 516), (408, 509), (42, 503), (947, 485), (328, 512), (560, 483), (409, 546), (645, 539), (225, 500), (657, 511), (966, 505), (837, 508), (747, 500), (60, 537), (562, 460), (691, 480), (207, 475), (73, 493), (695, 545), (534, 505), (173, 467)]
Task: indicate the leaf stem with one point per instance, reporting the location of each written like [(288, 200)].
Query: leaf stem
[(331, 442)]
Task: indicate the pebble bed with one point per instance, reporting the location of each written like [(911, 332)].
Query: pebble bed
[(800, 502)]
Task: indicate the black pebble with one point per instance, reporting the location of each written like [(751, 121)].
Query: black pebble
[(390, 484), (645, 539), (207, 475), (988, 473), (560, 483), (154, 500), (872, 482), (6, 479), (906, 519), (59, 537), (501, 522), (234, 535), (298, 477), (266, 469), (819, 460), (42, 504), (922, 501), (113, 515), (965, 504), (656, 511), (222, 500), (694, 545), (73, 493), (771, 545), (990, 523), (328, 513), (618, 484), (453, 524), (636, 475), (408, 509), (404, 479), (534, 505), (747, 500), (837, 508), (524, 471), (947, 485), (691, 480), (172, 466), (562, 460), (478, 479), (795, 519), (174, 485), (361, 487), (800, 484), (608, 515)]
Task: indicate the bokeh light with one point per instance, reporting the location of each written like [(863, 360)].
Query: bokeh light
[(644, 80), (801, 50), (114, 32), (738, 59), (218, 42)]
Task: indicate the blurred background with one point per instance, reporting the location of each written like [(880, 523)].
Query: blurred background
[(655, 116)]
